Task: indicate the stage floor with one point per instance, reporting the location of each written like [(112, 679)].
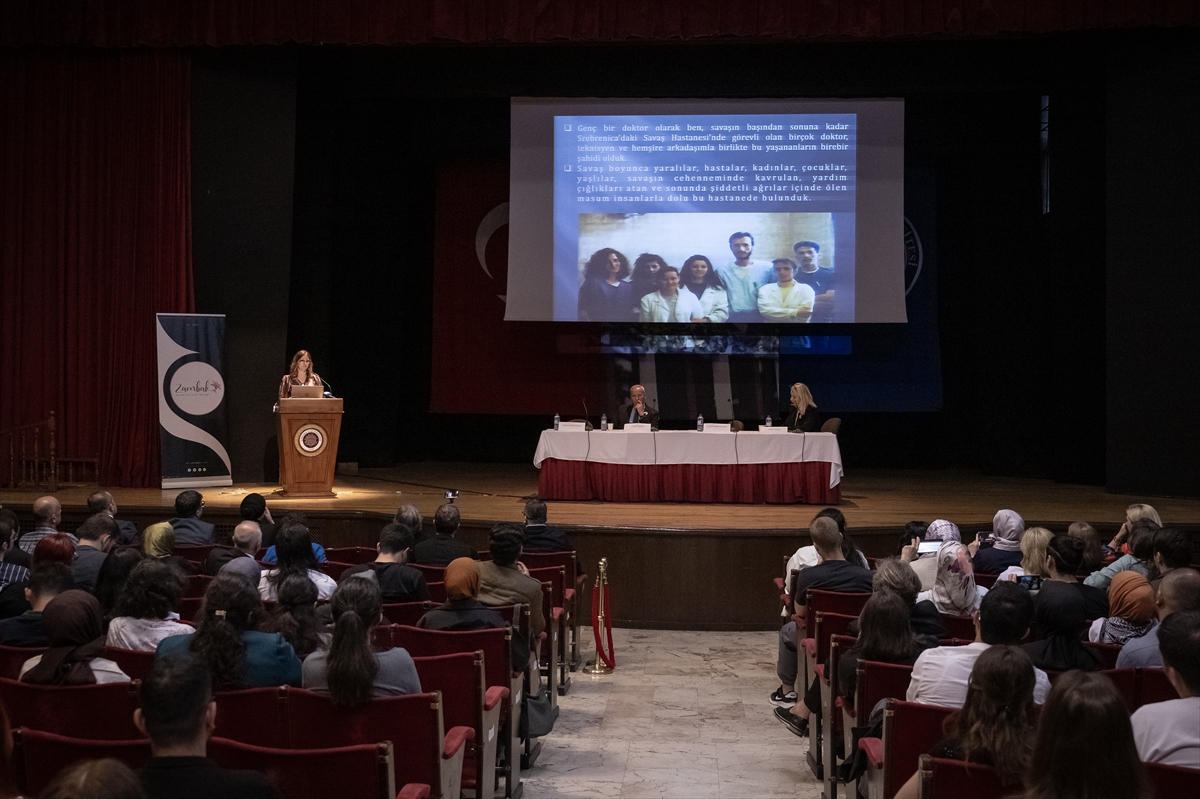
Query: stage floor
[(870, 499)]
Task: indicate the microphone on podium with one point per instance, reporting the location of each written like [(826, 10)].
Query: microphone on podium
[(328, 392)]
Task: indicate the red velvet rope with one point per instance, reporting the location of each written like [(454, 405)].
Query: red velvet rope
[(610, 659)]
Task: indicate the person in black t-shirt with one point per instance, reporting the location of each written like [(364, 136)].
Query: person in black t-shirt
[(833, 573), (178, 715), (397, 582), (443, 547)]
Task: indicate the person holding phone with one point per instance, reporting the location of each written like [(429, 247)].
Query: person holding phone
[(1007, 530), (921, 555), (1033, 559)]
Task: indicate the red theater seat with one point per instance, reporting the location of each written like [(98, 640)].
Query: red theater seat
[(909, 731), (406, 612), (132, 662), (12, 658), (954, 779), (255, 716), (353, 555), (38, 756), (98, 712), (1172, 781), (365, 771)]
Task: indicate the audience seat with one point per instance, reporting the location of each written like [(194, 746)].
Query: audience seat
[(825, 627), (468, 702), (98, 712), (1156, 687), (38, 756), (985, 580), (365, 770), (381, 637), (1169, 782), (909, 731), (433, 574), (942, 778), (334, 569), (189, 608), (557, 620), (406, 612), (354, 555), (257, 716), (816, 601), (576, 583), (195, 585), (12, 658), (1108, 653), (195, 553), (437, 591), (424, 751), (958, 626), (131, 661), (1128, 683)]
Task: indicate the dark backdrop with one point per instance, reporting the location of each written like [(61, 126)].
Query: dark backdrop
[(1023, 297)]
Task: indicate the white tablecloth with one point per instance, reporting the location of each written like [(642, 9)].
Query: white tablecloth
[(690, 446)]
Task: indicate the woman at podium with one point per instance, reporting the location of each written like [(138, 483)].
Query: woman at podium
[(301, 374)]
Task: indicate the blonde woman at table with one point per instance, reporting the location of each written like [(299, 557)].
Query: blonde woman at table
[(803, 418)]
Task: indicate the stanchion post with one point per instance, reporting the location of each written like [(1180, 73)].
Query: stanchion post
[(600, 620)]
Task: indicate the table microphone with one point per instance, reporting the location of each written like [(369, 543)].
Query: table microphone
[(328, 392)]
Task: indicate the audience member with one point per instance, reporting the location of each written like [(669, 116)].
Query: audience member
[(410, 517), (504, 581), (913, 535), (397, 582), (96, 537), (295, 517), (462, 609), (94, 779), (1084, 747), (1033, 555), (893, 575), (1169, 732), (247, 539), (1179, 592), (1093, 551), (941, 675), (1007, 530), (295, 616), (443, 547), (294, 546), (177, 713), (1172, 550), (254, 509), (47, 515), (46, 582), (350, 671), (237, 655), (75, 634), (10, 570), (158, 542), (995, 726), (1061, 614), (55, 548), (104, 502), (1131, 611), (1064, 556), (833, 573), (13, 554), (141, 618), (807, 556), (954, 591), (1120, 544), (110, 581), (539, 537), (1138, 559), (926, 566), (189, 529)]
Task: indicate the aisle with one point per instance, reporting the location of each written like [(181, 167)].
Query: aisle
[(685, 715)]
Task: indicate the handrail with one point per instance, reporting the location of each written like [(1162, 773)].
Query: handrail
[(30, 466)]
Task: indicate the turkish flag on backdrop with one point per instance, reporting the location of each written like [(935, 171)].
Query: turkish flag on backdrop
[(482, 364)]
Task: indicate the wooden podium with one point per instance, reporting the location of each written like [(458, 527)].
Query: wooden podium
[(308, 445)]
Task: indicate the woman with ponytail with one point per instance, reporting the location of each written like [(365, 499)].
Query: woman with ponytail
[(351, 671), (237, 655)]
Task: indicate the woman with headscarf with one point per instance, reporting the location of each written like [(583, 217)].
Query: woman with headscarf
[(954, 591), (462, 610), (158, 541), (75, 631), (1131, 610), (1061, 614), (926, 565), (1007, 530)]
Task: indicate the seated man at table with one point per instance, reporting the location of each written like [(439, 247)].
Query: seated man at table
[(636, 411)]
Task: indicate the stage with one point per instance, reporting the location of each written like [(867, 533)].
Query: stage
[(672, 565)]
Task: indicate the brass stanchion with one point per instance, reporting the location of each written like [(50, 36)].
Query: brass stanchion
[(602, 664)]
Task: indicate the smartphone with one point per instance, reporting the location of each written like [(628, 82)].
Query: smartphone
[(1031, 581), (928, 547)]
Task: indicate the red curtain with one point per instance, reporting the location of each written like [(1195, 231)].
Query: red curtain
[(182, 23), (95, 238)]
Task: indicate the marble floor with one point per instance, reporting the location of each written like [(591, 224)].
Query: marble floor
[(685, 715)]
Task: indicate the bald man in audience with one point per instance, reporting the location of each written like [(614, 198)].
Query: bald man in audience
[(1179, 592), (104, 502), (247, 538), (47, 515)]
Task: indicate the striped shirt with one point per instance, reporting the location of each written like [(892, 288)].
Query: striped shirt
[(30, 540), (12, 573)]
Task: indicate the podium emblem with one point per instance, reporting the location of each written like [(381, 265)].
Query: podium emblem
[(310, 440)]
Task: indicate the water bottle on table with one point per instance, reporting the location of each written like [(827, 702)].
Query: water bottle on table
[(556, 420), (700, 423)]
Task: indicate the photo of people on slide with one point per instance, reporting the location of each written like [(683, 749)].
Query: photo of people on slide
[(707, 268)]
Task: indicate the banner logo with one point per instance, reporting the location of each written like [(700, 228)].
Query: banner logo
[(913, 256), (197, 388), (310, 440)]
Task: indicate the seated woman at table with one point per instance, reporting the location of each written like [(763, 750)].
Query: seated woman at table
[(803, 418)]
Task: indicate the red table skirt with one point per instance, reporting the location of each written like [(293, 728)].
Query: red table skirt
[(749, 483)]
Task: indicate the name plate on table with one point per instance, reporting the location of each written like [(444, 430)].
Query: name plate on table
[(578, 427), (638, 427), (720, 427), (772, 429)]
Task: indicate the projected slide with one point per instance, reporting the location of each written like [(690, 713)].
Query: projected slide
[(709, 212), (704, 218)]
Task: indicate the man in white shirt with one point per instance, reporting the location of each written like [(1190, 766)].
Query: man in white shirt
[(1169, 732), (743, 278), (940, 675), (785, 300)]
